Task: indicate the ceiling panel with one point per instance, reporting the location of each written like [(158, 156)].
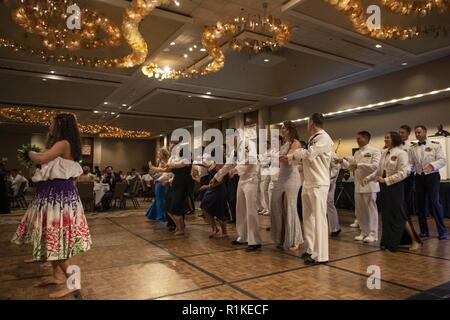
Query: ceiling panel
[(33, 90), (181, 105)]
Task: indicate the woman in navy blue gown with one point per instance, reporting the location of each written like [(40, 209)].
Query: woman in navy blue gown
[(214, 203)]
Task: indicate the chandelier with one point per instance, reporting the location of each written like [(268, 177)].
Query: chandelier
[(355, 11), (279, 36), (48, 19)]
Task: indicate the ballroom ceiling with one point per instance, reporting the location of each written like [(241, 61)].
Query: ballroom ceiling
[(324, 53)]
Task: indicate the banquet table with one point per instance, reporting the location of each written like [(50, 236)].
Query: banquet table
[(99, 190)]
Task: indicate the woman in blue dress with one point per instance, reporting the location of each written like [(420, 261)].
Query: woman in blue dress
[(157, 211)]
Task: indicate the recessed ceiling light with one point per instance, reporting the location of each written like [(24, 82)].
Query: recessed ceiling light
[(95, 111), (105, 103), (189, 96), (378, 46), (113, 113), (285, 99), (220, 117), (177, 3), (124, 104), (404, 63), (172, 43), (190, 49), (195, 46), (209, 93), (202, 49), (129, 108), (52, 71), (266, 60), (185, 56)]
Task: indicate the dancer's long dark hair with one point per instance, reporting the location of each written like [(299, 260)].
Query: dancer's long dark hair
[(65, 127), (292, 130)]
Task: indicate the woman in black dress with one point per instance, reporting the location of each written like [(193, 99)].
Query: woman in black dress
[(178, 193), (393, 170), (214, 203)]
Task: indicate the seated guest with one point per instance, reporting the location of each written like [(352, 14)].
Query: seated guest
[(86, 176), (122, 175), (17, 180), (97, 172), (147, 179), (110, 179)]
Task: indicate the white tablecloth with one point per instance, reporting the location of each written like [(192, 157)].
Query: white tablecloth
[(100, 189)]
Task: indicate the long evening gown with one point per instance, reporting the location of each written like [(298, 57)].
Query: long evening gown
[(288, 183)]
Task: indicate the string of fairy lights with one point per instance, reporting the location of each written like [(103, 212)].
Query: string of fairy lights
[(43, 117)]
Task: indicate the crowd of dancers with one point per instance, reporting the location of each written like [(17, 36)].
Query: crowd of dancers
[(402, 174)]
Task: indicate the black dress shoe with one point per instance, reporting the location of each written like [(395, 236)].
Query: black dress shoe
[(311, 262), (237, 243), (253, 247), (424, 235), (306, 255), (336, 233)]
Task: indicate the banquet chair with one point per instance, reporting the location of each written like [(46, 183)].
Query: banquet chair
[(133, 193), (118, 196), (19, 199), (86, 191)]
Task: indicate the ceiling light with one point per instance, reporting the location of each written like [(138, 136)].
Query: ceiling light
[(52, 71), (195, 46), (266, 60), (285, 99), (209, 93), (190, 49), (177, 3), (96, 111), (185, 56), (105, 103), (378, 46), (129, 108), (124, 104), (44, 79), (172, 43), (202, 49), (113, 113), (404, 63), (220, 117), (189, 96)]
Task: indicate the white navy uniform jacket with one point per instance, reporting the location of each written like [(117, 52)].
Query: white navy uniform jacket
[(367, 161), (406, 146), (334, 167), (422, 155), (316, 160), (247, 172), (394, 166)]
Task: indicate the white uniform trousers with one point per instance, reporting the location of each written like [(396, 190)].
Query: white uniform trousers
[(264, 203), (366, 212), (315, 225), (333, 218), (247, 226)]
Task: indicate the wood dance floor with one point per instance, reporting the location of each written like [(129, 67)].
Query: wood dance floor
[(133, 258)]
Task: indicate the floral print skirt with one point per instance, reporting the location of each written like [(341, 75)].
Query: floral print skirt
[(55, 223)]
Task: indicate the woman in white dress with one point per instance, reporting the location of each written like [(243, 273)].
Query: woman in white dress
[(285, 224)]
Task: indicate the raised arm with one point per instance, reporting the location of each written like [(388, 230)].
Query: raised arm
[(58, 149)]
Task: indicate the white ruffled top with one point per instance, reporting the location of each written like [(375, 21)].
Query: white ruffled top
[(58, 168)]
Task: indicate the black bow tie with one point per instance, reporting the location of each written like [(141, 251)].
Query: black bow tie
[(422, 143)]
